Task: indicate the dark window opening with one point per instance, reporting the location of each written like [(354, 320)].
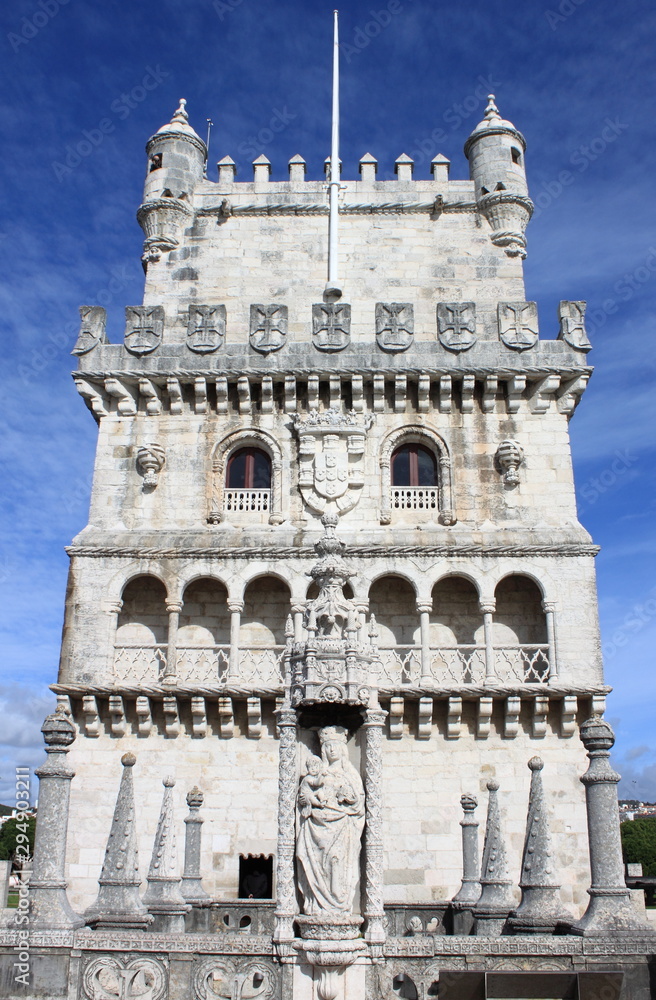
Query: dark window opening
[(249, 469), (414, 465), (500, 187), (167, 193), (155, 162), (516, 155), (404, 987), (255, 877), (484, 190)]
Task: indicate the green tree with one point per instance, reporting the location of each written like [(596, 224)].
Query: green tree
[(9, 833), (639, 842)]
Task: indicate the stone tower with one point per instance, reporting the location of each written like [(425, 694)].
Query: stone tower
[(333, 581)]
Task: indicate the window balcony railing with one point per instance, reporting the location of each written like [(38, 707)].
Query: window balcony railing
[(202, 664), (415, 498), (528, 664), (246, 501), (463, 664), (257, 666), (137, 664)]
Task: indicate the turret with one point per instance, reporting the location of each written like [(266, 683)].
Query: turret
[(495, 151), (176, 161)]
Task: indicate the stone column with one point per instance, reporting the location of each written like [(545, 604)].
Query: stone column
[(362, 607), (373, 861), (298, 611), (487, 610), (192, 889), (424, 621), (470, 888), (287, 787), (235, 608), (496, 899), (163, 897), (173, 609), (539, 911), (447, 516), (610, 910), (113, 611), (549, 608), (118, 905), (275, 515), (49, 905)]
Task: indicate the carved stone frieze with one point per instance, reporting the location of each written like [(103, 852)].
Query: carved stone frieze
[(223, 979), (395, 325), (144, 328), (518, 325), (331, 458), (571, 316), (93, 320), (331, 326), (124, 977), (268, 327), (206, 328), (456, 325)]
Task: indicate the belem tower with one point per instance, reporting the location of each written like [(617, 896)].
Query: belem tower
[(330, 720)]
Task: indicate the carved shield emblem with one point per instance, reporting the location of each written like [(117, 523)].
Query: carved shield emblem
[(456, 325), (331, 468), (395, 325), (572, 325), (144, 328), (518, 324), (206, 328), (331, 326), (92, 329), (268, 327)]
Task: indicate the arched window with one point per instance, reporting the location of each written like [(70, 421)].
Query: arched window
[(249, 469), (414, 465)]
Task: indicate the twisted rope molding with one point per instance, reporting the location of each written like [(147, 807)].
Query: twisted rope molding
[(413, 692), (374, 551), (436, 206), (481, 371)]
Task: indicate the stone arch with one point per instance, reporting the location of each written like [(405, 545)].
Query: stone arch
[(204, 617), (519, 617), (119, 581), (267, 603), (246, 437), (429, 438), (456, 619), (142, 619), (393, 602)]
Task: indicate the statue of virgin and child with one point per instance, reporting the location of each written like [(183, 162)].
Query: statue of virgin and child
[(330, 823)]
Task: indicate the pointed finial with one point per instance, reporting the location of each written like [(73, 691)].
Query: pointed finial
[(181, 112), (491, 111)]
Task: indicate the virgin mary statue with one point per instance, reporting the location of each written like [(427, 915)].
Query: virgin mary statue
[(330, 823)]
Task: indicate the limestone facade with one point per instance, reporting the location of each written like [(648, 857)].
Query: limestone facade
[(418, 422)]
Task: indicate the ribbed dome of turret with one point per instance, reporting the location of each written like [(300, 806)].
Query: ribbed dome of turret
[(179, 124), (493, 124)]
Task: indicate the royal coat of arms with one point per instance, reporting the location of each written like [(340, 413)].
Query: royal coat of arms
[(456, 325), (395, 325), (331, 326), (518, 325), (93, 320), (206, 328), (144, 328), (572, 325), (331, 458), (268, 330)]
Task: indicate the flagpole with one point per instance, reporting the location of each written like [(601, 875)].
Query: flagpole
[(333, 289)]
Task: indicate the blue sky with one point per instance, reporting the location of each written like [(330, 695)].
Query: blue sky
[(575, 76)]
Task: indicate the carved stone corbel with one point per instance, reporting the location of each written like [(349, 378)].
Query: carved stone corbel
[(150, 461), (509, 457)]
